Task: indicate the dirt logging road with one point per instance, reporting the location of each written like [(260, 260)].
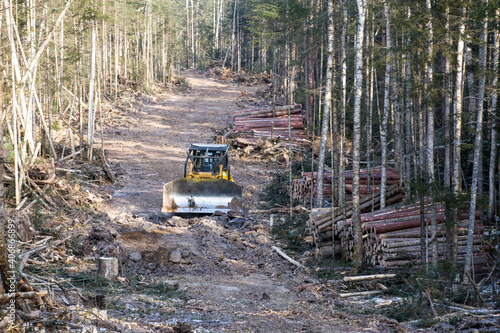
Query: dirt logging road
[(151, 149), (231, 279)]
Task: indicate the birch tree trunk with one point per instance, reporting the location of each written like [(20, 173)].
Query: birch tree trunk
[(493, 107), (387, 105), (356, 220), (457, 110), (370, 78), (343, 93), (327, 108), (430, 133), (478, 146)]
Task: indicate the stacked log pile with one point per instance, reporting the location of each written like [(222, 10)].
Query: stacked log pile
[(333, 226), (255, 125), (391, 237), (305, 187)]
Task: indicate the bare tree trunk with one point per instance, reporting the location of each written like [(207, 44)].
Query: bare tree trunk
[(343, 93), (430, 133), (408, 114), (356, 220), (327, 108), (238, 44), (478, 146), (104, 51), (193, 37), (457, 110), (470, 77), (396, 102), (90, 135), (117, 50), (307, 72), (493, 108), (448, 152), (447, 104), (188, 37), (387, 105), (233, 36), (370, 83), (32, 52), (149, 45)]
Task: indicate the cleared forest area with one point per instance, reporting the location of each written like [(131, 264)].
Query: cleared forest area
[(364, 133)]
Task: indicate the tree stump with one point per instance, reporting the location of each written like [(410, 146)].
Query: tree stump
[(108, 267)]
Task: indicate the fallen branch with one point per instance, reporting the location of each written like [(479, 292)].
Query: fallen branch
[(26, 255), (361, 293), (367, 277), (69, 170), (51, 180), (40, 192), (428, 295), (21, 204), (29, 206), (70, 156), (283, 254)]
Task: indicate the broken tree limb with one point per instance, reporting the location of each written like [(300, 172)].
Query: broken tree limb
[(29, 206), (361, 293), (40, 192), (367, 277), (25, 256), (283, 254), (431, 303), (21, 204), (70, 156)]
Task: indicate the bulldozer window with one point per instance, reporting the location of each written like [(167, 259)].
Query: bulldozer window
[(208, 161)]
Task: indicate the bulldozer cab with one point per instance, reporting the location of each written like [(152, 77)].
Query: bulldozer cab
[(207, 161)]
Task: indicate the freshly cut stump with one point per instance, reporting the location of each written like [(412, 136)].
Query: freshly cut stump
[(108, 267)]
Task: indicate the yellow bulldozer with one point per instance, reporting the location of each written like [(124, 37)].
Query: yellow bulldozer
[(207, 185)]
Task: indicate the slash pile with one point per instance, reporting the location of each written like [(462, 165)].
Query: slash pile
[(277, 123)]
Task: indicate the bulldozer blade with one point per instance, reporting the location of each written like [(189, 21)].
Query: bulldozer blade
[(201, 196)]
